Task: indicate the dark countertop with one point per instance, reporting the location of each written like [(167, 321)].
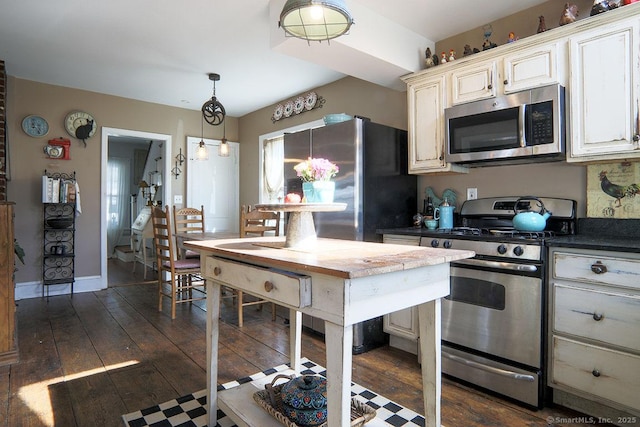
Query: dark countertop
[(622, 235), (406, 231)]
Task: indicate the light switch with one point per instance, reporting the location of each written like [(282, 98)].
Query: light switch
[(177, 199)]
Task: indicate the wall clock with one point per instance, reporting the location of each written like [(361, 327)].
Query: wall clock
[(80, 125), (35, 126)]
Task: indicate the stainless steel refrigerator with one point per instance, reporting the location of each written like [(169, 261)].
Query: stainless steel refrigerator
[(374, 183)]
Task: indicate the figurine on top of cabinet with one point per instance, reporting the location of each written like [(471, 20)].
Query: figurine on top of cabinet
[(542, 27), (443, 57), (600, 6), (512, 37), (569, 14), (429, 59), (488, 44), (452, 55), (468, 51)]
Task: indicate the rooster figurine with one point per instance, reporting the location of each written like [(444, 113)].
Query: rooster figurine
[(617, 191), (448, 194)]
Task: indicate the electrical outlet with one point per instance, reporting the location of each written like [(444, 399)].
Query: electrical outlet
[(177, 199), (472, 193)]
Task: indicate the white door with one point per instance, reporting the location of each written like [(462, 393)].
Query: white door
[(214, 184)]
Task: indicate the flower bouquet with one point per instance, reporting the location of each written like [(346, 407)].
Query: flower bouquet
[(316, 175), (316, 170)]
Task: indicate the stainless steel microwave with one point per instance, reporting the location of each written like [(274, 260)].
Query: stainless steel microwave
[(520, 127)]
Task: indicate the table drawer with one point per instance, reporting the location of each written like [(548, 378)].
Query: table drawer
[(608, 374), (604, 316), (597, 269), (279, 286)]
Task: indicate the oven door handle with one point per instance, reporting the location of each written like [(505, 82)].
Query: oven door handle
[(490, 369), (498, 264)]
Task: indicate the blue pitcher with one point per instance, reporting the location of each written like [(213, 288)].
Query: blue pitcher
[(444, 213)]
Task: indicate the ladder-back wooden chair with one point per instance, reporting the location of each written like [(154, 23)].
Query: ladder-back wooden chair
[(177, 278), (188, 220), (256, 223)]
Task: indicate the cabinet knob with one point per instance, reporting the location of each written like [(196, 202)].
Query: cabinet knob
[(595, 373), (597, 317), (506, 82), (217, 271), (599, 268), (490, 87), (636, 138), (268, 286)]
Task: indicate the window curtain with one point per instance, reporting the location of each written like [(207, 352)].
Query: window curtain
[(274, 168), (118, 185)]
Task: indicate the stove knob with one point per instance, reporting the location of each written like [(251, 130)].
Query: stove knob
[(435, 243), (502, 249), (518, 250), (447, 244)]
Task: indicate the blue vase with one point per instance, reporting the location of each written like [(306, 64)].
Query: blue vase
[(319, 191)]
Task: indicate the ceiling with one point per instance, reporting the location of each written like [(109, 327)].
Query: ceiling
[(161, 51)]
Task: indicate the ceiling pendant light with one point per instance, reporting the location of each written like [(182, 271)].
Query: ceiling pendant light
[(201, 152), (212, 110), (223, 148), (315, 20)]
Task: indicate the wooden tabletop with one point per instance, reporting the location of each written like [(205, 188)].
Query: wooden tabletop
[(207, 235), (338, 258)]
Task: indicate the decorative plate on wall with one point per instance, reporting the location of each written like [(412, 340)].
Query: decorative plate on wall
[(35, 126), (297, 105)]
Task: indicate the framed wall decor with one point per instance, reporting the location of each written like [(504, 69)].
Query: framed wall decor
[(613, 190)]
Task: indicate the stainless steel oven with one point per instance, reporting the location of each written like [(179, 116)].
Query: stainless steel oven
[(493, 321), (495, 308)]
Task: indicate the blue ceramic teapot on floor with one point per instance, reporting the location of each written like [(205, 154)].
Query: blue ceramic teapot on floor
[(529, 220), (304, 400)]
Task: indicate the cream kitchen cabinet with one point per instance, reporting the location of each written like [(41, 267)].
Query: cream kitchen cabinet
[(402, 325), (538, 66), (474, 82), (604, 92), (594, 331), (524, 69), (426, 103)]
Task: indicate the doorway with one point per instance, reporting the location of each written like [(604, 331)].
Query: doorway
[(160, 162), (215, 184)]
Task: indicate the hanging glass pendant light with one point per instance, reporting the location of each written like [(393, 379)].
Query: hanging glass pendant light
[(315, 19), (223, 148), (201, 152)]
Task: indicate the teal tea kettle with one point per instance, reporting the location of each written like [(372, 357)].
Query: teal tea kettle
[(527, 220)]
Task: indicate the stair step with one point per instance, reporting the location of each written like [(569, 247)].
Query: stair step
[(124, 253)]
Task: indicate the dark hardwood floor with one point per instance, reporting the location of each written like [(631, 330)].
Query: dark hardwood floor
[(86, 360)]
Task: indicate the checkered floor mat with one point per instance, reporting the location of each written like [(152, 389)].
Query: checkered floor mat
[(188, 411)]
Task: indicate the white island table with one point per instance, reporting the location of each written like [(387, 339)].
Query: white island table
[(342, 282)]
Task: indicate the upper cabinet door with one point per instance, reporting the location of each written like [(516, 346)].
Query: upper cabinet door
[(531, 68), (426, 103), (471, 83), (604, 92)]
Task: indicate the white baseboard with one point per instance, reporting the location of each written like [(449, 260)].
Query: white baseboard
[(27, 290)]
